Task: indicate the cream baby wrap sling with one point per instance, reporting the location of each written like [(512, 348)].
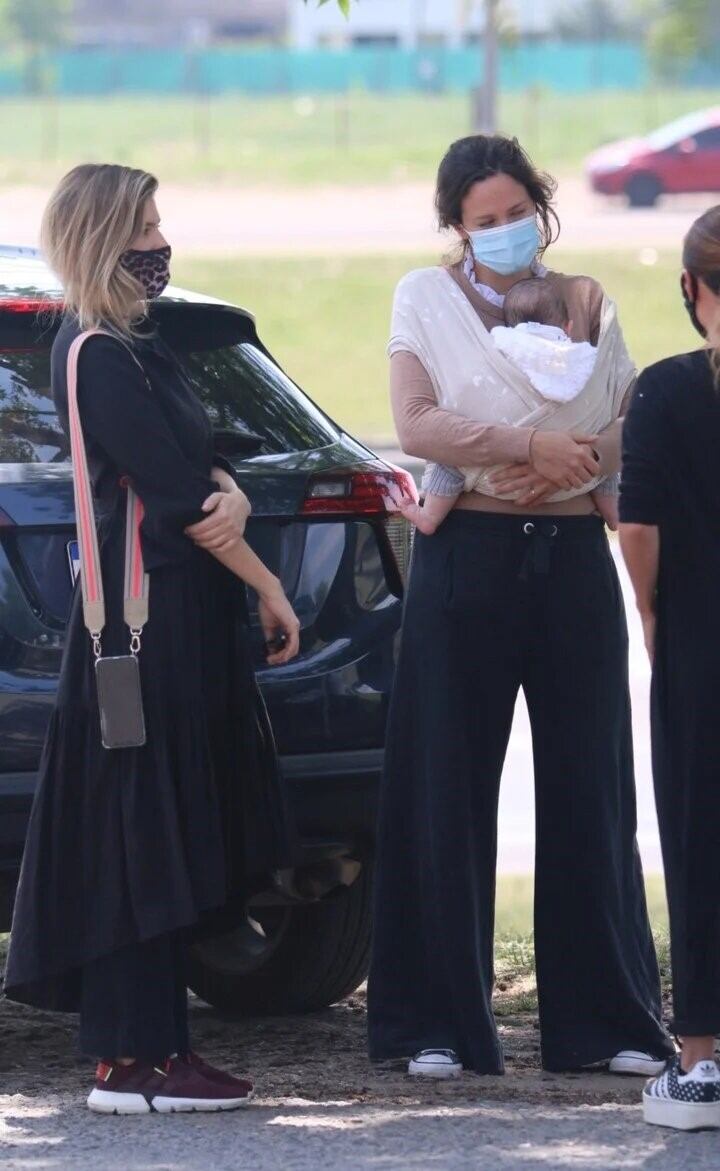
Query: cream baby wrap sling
[(433, 319)]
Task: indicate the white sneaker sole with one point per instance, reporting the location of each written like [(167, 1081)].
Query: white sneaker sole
[(636, 1066), (422, 1069), (109, 1102), (198, 1105), (681, 1115)]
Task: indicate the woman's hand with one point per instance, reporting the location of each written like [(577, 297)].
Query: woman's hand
[(649, 625), (529, 487), (279, 622), (225, 525), (566, 460)]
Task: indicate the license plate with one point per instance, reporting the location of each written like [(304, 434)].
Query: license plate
[(73, 553)]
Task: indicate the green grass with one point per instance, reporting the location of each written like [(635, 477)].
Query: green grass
[(514, 905), (327, 320), (514, 940), (354, 138)]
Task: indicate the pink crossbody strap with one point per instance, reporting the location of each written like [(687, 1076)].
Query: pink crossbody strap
[(137, 583)]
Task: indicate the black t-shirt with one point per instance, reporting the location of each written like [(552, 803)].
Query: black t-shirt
[(671, 442), (671, 464)]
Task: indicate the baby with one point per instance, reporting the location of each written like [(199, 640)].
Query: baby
[(536, 338)]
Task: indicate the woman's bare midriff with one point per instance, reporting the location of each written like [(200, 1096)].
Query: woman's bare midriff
[(576, 506)]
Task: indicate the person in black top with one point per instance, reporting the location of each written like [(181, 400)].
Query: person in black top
[(670, 534), (128, 849)]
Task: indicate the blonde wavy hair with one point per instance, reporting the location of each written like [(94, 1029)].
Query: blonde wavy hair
[(92, 218), (701, 258)]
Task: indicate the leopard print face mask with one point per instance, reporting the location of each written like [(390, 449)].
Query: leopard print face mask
[(150, 267)]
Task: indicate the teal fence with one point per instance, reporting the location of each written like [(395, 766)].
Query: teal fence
[(559, 66)]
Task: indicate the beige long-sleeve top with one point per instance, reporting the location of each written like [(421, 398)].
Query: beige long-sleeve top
[(428, 431)]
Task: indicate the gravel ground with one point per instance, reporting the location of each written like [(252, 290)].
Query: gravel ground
[(320, 1103), (298, 1135)]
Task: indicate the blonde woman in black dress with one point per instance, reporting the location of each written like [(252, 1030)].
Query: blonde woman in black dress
[(129, 849)]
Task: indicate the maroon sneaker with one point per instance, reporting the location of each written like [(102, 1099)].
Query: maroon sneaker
[(126, 1089), (168, 1089), (219, 1076)]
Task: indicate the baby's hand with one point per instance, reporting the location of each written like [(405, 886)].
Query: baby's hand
[(399, 499), (406, 506)]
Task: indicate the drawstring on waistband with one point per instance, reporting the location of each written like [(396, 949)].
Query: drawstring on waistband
[(537, 557)]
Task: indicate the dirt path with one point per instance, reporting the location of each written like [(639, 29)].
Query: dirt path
[(225, 221), (321, 1057), (321, 1104)]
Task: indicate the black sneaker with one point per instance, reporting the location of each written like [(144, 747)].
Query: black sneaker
[(684, 1101)]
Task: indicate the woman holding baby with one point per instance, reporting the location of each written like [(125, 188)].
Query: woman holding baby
[(512, 381)]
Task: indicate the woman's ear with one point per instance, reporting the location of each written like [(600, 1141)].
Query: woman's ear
[(688, 283)]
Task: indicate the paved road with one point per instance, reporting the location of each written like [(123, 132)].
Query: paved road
[(517, 809), (296, 1135), (225, 221)]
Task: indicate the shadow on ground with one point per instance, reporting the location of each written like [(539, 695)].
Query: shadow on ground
[(321, 1057)]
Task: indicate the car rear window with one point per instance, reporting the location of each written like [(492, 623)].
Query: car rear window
[(241, 387)]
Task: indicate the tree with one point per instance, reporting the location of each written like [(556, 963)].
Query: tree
[(499, 30), (594, 20), (343, 5), (38, 24), (680, 32)]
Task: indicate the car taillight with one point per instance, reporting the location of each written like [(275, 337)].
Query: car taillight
[(31, 305), (400, 537), (366, 491)]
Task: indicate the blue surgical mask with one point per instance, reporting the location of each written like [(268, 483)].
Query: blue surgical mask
[(509, 248)]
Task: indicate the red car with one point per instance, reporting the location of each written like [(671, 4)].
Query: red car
[(680, 157)]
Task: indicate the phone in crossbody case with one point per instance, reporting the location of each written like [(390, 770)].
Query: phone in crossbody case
[(122, 721), (119, 690)]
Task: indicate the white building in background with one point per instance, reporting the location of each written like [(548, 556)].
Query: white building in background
[(409, 23), (131, 23)]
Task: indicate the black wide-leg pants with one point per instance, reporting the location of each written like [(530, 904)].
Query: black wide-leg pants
[(496, 603), (134, 1001), (685, 706)]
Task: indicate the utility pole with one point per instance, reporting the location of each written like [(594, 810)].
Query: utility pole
[(485, 96)]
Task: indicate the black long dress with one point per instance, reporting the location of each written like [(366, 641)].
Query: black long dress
[(125, 845)]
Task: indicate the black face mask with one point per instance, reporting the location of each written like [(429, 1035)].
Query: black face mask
[(150, 267), (689, 300)]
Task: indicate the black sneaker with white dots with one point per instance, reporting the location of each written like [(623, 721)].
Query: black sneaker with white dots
[(684, 1101)]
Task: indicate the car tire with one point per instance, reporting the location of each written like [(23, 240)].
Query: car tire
[(643, 190), (316, 954)]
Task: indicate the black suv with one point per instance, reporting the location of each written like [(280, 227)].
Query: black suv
[(320, 522)]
